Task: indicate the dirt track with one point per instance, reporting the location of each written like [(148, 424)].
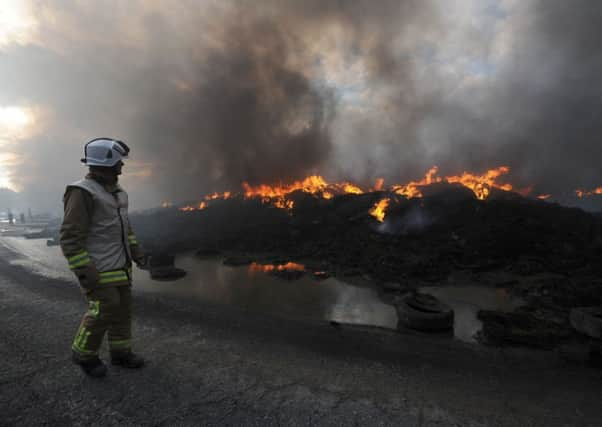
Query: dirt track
[(214, 365)]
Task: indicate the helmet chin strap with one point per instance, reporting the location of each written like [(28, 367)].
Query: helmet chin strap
[(107, 175)]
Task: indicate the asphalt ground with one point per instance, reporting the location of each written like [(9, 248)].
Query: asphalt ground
[(211, 364)]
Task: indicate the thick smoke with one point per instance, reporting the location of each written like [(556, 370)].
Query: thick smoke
[(534, 106), (247, 116), (541, 112), (260, 107), (212, 94)]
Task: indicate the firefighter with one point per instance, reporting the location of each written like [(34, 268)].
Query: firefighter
[(99, 244)]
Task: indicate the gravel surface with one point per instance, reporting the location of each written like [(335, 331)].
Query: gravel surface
[(211, 364)]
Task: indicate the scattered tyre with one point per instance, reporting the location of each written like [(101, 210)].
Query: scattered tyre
[(162, 267), (167, 273), (423, 312), (52, 242)]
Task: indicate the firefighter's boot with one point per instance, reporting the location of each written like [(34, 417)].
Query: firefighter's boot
[(127, 359), (92, 367)]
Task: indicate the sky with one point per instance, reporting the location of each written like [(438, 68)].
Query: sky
[(210, 93)]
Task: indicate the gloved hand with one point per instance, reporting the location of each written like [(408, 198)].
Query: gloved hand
[(142, 261), (88, 276), (139, 257)]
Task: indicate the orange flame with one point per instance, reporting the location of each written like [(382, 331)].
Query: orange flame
[(284, 204), (349, 188), (379, 184), (205, 204), (379, 209), (314, 184), (190, 208), (214, 196), (266, 268), (583, 193), (411, 189), (544, 196), (481, 184), (317, 186)]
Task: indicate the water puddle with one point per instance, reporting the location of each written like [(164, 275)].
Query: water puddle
[(254, 288)]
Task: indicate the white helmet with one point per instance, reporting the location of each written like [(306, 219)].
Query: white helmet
[(105, 152)]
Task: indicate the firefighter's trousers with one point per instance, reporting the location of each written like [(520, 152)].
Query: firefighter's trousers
[(109, 310)]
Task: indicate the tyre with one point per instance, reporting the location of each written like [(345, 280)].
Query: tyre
[(167, 273), (423, 312)]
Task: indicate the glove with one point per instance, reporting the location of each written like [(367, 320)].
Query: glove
[(88, 276), (142, 262), (139, 257)]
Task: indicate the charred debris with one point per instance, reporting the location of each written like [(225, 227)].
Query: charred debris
[(548, 254)]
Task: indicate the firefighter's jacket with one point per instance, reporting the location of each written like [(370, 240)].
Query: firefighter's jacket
[(96, 237)]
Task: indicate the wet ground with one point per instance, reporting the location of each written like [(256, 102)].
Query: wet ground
[(331, 299), (222, 364)]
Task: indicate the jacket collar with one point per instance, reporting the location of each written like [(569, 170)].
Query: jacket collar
[(111, 187)]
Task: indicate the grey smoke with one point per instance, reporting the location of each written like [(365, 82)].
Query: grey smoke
[(542, 113), (248, 117), (415, 220)]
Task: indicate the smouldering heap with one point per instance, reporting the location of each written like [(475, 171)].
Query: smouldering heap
[(276, 195), (279, 195)]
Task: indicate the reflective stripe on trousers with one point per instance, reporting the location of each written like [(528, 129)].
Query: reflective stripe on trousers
[(114, 276)]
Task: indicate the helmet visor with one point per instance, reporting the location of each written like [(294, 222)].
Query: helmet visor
[(121, 148)]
